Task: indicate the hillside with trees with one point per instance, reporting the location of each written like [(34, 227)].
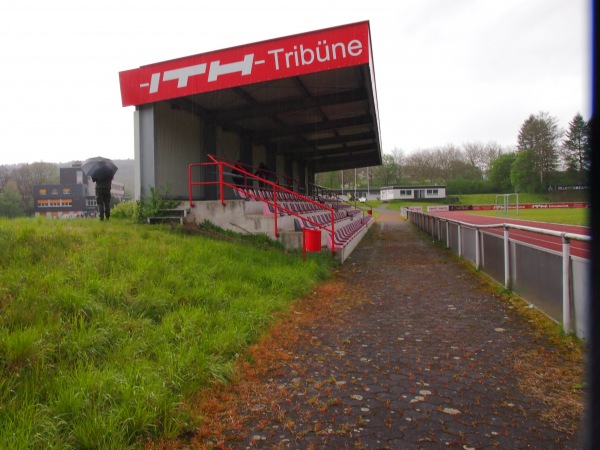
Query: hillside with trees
[(545, 158), (17, 182)]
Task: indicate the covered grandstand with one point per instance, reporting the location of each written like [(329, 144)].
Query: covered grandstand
[(299, 105)]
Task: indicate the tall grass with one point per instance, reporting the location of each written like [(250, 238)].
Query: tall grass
[(107, 328)]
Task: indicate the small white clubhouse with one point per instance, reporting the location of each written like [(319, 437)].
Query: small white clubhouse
[(412, 192)]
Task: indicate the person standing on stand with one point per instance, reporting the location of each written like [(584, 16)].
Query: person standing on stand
[(103, 186), (262, 173), (239, 178)]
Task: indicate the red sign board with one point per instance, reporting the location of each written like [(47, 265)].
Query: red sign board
[(332, 48)]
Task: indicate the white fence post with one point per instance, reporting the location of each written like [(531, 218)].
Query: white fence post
[(566, 278), (569, 270), (506, 259), (477, 250)]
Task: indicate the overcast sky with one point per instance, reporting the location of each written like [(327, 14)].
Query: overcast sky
[(447, 71)]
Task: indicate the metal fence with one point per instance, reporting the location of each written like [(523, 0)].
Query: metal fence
[(557, 283)]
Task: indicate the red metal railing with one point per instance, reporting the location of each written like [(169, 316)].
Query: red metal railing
[(288, 181), (266, 186)]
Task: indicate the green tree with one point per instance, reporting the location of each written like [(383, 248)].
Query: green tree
[(30, 175), (480, 156), (10, 204), (385, 174), (523, 172), (328, 179), (576, 148), (4, 175), (540, 135), (423, 166), (499, 172)]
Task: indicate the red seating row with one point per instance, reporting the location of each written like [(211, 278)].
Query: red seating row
[(348, 232), (265, 194), (295, 207), (288, 204), (324, 220)]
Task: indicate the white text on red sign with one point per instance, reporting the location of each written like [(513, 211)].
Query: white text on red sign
[(279, 58)]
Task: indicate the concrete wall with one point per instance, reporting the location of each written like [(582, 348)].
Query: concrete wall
[(167, 140), (178, 142)]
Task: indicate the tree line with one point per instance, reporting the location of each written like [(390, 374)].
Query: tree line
[(545, 155), (17, 182), (16, 186)]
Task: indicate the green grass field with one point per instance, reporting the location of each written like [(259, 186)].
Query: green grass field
[(568, 216), (555, 197), (106, 328)]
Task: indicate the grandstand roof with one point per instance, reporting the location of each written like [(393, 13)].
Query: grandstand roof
[(311, 96)]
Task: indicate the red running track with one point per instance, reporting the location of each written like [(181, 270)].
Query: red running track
[(578, 248)]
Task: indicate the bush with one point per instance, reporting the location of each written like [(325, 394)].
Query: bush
[(154, 204), (126, 210)]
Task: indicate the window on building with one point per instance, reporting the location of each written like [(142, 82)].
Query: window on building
[(42, 191), (54, 191), (67, 191)]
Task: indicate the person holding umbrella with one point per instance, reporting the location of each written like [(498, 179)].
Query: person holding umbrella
[(102, 171), (103, 186)]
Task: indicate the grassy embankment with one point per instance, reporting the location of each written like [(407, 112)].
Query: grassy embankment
[(107, 328)]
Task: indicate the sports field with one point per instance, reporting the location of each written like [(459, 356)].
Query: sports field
[(567, 216)]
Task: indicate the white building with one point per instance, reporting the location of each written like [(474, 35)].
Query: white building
[(412, 192)]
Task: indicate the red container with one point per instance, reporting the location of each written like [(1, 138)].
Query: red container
[(312, 240)]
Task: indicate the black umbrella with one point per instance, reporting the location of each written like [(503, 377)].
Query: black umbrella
[(99, 168)]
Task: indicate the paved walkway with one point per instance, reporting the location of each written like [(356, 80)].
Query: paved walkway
[(425, 360)]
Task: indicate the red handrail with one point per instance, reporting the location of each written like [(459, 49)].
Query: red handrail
[(289, 180), (274, 187)]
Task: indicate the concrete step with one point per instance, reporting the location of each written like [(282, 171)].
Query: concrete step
[(166, 219)]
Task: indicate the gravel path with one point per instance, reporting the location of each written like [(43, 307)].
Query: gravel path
[(426, 359)]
